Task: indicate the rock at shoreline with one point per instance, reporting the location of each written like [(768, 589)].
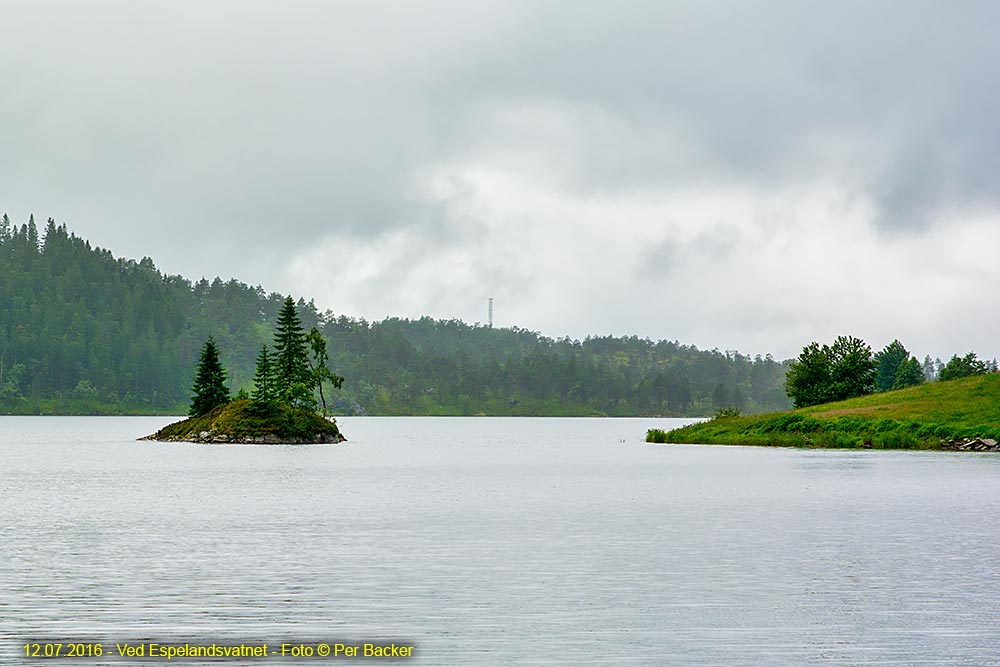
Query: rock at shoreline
[(971, 445)]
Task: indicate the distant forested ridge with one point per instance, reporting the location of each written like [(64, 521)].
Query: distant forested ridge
[(84, 332)]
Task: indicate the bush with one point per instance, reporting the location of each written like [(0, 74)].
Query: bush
[(656, 435), (899, 439)]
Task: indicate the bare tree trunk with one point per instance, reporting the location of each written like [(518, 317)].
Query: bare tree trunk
[(321, 397)]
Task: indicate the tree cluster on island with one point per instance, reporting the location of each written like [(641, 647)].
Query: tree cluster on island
[(292, 374), (282, 408), (848, 368)]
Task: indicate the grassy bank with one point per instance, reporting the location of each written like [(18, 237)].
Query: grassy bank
[(915, 418)]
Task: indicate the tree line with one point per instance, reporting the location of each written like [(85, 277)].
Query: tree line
[(82, 331), (848, 368)]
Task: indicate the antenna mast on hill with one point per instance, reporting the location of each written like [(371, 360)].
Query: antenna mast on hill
[(491, 313)]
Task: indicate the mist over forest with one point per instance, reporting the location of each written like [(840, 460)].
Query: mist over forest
[(82, 331)]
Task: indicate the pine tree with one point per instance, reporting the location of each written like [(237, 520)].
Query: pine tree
[(263, 395), (293, 380), (209, 381)]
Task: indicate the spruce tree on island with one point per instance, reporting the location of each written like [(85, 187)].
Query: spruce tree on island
[(263, 396), (293, 379), (210, 388)]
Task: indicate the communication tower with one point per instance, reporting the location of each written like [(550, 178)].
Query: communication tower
[(491, 313)]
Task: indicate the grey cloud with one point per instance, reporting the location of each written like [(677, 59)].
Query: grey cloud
[(222, 137), (320, 113), (674, 257), (747, 85)]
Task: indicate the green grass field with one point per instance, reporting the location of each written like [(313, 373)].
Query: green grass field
[(914, 418)]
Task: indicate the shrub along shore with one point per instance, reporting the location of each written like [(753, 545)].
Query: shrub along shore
[(938, 415)]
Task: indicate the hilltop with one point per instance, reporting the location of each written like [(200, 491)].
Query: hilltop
[(929, 416)]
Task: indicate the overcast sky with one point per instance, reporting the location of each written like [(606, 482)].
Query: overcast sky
[(745, 176)]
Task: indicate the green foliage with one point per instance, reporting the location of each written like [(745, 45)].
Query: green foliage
[(209, 388), (808, 380), (656, 435), (909, 374), (727, 413), (264, 394), (71, 312), (852, 368), (887, 362), (896, 369), (84, 390), (831, 373), (918, 417), (960, 367), (10, 387), (293, 380), (318, 365)]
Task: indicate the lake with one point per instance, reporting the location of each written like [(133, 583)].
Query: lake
[(499, 541)]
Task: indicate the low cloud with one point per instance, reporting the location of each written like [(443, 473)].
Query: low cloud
[(729, 175)]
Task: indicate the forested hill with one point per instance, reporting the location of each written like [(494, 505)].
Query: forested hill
[(84, 332)]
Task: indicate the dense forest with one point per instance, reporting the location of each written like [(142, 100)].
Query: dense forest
[(84, 332)]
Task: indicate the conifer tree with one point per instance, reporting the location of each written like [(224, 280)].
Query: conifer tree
[(209, 381), (32, 233), (263, 395), (293, 379)]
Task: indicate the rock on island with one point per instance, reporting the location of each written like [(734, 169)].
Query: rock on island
[(237, 422)]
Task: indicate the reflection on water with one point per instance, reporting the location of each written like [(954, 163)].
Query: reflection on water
[(501, 541)]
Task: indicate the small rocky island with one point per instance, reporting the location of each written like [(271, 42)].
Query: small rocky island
[(282, 407), (237, 423)]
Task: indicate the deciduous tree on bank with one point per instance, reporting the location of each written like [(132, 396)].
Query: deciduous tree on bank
[(210, 388), (808, 379), (960, 367), (832, 372), (852, 368)]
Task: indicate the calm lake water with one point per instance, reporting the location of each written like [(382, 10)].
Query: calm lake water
[(500, 541)]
